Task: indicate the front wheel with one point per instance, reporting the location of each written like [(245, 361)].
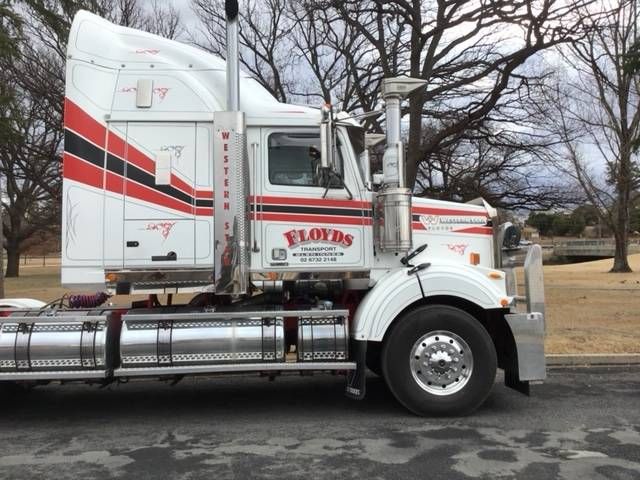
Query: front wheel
[(439, 360)]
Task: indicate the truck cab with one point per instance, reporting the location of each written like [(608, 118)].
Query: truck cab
[(267, 214)]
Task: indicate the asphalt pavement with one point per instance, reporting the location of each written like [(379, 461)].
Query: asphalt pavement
[(582, 424)]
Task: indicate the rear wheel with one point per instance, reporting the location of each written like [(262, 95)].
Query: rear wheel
[(439, 360)]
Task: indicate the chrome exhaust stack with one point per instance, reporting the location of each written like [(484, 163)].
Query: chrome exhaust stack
[(233, 58), (393, 201), (231, 171)]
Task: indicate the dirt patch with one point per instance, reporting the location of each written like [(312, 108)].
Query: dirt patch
[(588, 309)]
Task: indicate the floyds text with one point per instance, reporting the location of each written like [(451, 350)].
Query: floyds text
[(330, 235)]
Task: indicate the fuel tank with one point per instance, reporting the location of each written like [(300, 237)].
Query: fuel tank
[(146, 341), (35, 342), (323, 338)]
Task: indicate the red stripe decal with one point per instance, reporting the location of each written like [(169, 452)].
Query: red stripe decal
[(139, 159), (180, 184), (203, 211), (84, 172), (114, 183), (294, 217), (116, 145), (477, 230), (82, 123), (318, 202), (204, 193), (152, 196)]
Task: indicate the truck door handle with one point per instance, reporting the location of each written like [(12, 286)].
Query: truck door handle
[(133, 243), (169, 257)]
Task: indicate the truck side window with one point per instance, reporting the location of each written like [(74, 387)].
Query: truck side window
[(294, 159)]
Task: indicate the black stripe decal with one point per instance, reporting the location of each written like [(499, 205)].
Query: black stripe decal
[(83, 149), (204, 203), (148, 180), (307, 210), (115, 165)]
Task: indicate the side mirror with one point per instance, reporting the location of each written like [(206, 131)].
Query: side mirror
[(327, 140)]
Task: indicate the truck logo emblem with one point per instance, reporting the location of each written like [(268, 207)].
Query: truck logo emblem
[(317, 234), (445, 222), (163, 227), (147, 51), (175, 149), (161, 92), (458, 248)]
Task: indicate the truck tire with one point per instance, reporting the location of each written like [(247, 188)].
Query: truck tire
[(439, 360), (373, 361)]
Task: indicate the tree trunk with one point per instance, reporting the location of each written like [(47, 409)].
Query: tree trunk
[(620, 261), (13, 261), (1, 254), (621, 228)]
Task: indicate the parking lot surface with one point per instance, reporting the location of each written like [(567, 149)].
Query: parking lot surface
[(581, 424)]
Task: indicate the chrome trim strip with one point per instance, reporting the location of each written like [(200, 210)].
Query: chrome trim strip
[(53, 375), (533, 280), (247, 367), (154, 317), (76, 320)]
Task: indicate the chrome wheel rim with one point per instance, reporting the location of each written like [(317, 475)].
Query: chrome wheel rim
[(441, 362)]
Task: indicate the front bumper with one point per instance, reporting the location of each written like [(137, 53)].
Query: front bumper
[(528, 328)]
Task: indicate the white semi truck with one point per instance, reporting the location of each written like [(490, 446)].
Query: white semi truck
[(183, 175)]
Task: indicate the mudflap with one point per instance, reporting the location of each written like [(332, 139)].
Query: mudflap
[(511, 380), (357, 379)]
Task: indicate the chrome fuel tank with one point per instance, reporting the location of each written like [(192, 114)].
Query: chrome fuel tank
[(146, 341), (38, 343), (323, 338)]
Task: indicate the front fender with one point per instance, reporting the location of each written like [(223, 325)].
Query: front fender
[(397, 290)]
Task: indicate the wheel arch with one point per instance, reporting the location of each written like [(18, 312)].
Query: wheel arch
[(397, 293)]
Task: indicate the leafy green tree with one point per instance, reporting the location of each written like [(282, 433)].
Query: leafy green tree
[(543, 222)]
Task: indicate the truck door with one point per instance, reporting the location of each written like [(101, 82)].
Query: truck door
[(304, 226), (159, 210)]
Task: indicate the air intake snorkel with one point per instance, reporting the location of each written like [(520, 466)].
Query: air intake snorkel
[(393, 201)]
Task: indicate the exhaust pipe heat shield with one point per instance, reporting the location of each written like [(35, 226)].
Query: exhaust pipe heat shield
[(231, 221)]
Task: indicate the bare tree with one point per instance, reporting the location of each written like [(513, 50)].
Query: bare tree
[(163, 19), (598, 118), (30, 167), (469, 52), (475, 55), (266, 53), (10, 32)]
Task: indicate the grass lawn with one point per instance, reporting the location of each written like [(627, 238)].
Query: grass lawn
[(588, 309)]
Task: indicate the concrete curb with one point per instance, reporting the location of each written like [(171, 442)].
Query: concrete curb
[(592, 359)]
